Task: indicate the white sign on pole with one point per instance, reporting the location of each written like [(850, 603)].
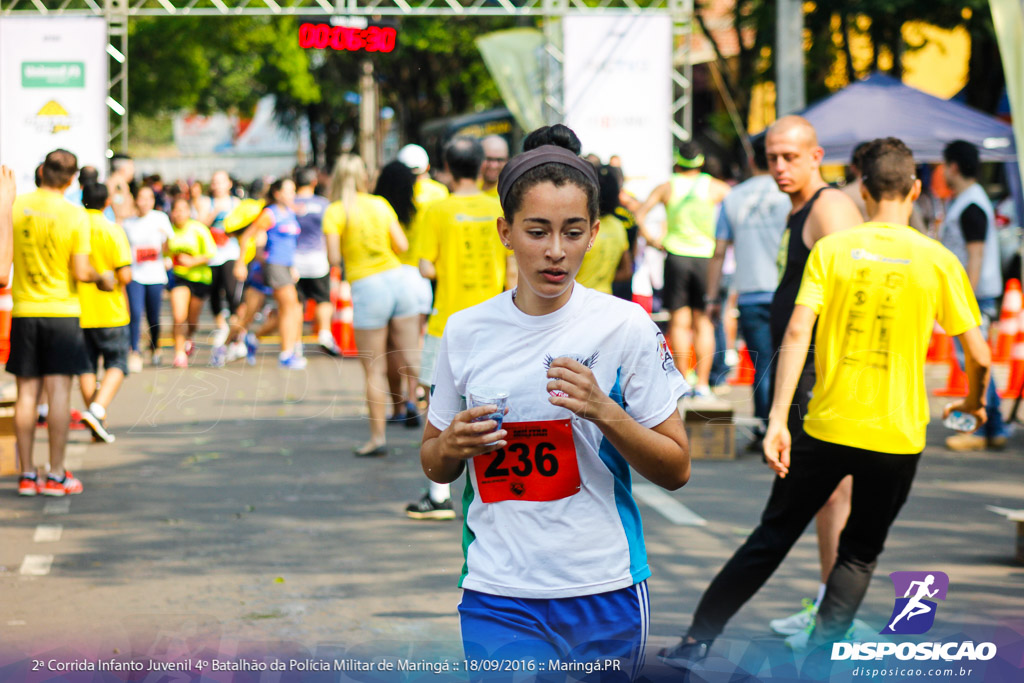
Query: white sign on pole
[(618, 92), (53, 92)]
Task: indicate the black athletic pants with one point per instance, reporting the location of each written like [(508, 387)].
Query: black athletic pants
[(881, 482)]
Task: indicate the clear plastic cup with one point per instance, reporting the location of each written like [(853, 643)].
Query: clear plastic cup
[(488, 396), (961, 422)]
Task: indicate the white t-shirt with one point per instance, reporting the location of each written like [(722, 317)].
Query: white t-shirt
[(147, 235), (551, 533)]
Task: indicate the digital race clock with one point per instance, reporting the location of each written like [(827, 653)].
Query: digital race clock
[(347, 38)]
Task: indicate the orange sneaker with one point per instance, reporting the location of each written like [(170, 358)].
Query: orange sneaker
[(68, 486), (28, 486)]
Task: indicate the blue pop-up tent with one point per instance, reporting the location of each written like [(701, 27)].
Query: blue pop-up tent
[(881, 106)]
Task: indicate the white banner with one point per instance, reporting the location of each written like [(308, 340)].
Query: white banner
[(53, 92), (618, 93)]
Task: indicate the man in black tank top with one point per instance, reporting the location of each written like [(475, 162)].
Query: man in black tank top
[(794, 160)]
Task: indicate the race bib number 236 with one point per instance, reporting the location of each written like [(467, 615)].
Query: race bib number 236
[(538, 464)]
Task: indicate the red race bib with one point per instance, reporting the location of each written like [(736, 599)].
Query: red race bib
[(146, 254), (538, 464)]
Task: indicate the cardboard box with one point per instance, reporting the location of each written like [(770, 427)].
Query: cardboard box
[(710, 429)]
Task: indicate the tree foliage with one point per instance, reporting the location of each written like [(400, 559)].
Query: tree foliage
[(215, 64), (435, 70), (828, 27)]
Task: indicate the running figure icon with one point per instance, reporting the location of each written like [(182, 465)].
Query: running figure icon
[(915, 607)]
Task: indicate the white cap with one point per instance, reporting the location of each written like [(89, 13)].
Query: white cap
[(415, 157)]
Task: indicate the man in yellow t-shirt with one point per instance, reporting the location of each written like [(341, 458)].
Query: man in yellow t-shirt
[(105, 315), (875, 292), (459, 247), (602, 262), (51, 256)]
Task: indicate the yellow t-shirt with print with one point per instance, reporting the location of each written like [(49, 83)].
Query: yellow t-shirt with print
[(459, 235), (878, 289), (48, 231), (110, 251), (366, 239), (426, 191), (193, 239), (410, 257), (602, 261)]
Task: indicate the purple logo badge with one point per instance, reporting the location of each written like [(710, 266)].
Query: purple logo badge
[(914, 611)]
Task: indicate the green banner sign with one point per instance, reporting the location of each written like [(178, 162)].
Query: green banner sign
[(53, 74)]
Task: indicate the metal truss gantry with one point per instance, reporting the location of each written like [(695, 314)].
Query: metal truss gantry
[(118, 13)]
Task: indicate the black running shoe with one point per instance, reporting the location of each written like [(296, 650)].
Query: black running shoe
[(425, 508), (97, 427)]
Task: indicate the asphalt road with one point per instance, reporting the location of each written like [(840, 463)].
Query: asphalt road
[(231, 519)]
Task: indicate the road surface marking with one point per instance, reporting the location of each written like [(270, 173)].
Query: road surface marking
[(667, 506), (48, 533), (36, 565)]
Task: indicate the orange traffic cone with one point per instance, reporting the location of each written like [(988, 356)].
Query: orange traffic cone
[(1016, 381), (1006, 330), (745, 374), (341, 322), (6, 306), (956, 385), (940, 346)]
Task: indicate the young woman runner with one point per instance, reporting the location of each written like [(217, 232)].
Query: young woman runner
[(555, 562)]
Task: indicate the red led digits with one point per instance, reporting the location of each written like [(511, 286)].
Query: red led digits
[(347, 39)]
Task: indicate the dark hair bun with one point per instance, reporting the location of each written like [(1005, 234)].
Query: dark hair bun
[(558, 135)]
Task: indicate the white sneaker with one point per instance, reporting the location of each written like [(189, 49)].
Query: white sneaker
[(219, 336), (795, 623), (236, 351), (134, 362)]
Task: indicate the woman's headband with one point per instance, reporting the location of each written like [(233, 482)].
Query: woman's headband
[(545, 154), (683, 162)]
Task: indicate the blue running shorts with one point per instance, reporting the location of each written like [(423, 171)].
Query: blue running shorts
[(599, 637)]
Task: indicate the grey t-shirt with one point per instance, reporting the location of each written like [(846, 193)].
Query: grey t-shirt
[(753, 217)]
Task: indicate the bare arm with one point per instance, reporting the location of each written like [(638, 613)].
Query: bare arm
[(82, 271), (975, 256), (795, 344), (661, 194), (8, 191), (124, 275), (443, 454), (712, 307), (661, 454), (978, 360), (428, 270), (834, 211), (399, 240), (333, 250)]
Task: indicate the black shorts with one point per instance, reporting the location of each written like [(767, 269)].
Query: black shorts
[(316, 288), (111, 343), (47, 346), (199, 290), (686, 282)]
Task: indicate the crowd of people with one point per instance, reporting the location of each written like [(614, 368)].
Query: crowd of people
[(514, 282)]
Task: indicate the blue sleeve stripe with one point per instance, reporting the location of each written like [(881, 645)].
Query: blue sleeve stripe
[(629, 513)]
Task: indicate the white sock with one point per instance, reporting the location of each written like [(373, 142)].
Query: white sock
[(98, 410), (439, 493), (44, 410), (821, 594), (284, 355)]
